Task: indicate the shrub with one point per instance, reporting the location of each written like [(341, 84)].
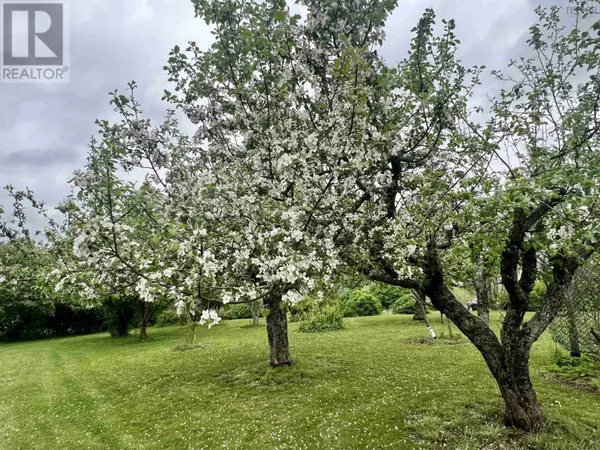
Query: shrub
[(581, 373), (386, 294), (320, 320), (232, 312), (405, 305), (575, 367), (31, 315), (361, 302), (537, 295), (302, 308), (22, 319), (169, 317)]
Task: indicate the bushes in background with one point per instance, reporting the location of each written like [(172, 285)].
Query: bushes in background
[(321, 319), (387, 294), (29, 315), (537, 295), (406, 304), (361, 302), (232, 312), (298, 310), (169, 317), (535, 298)]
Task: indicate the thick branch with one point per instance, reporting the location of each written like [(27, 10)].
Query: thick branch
[(444, 300), (518, 290), (408, 283)]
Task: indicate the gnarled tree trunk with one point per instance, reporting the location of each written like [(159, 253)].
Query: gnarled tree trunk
[(510, 368), (277, 331), (508, 360), (523, 410), (507, 357)]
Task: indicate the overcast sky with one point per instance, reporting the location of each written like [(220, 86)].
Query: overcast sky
[(45, 128)]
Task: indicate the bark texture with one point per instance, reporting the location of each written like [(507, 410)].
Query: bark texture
[(522, 407), (483, 291), (277, 332)]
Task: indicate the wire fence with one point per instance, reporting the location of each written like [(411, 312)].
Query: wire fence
[(577, 326)]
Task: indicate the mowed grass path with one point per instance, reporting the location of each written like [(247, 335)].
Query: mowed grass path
[(363, 387)]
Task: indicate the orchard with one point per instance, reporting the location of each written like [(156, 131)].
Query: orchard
[(320, 181)]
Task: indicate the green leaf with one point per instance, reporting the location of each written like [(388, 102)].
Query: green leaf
[(280, 16)]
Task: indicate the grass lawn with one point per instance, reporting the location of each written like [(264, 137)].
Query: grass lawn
[(363, 387)]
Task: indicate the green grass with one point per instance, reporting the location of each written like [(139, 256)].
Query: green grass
[(373, 384)]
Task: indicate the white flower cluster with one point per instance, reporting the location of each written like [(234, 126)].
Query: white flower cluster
[(83, 179), (210, 317)]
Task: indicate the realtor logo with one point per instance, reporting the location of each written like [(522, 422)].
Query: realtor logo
[(34, 42)]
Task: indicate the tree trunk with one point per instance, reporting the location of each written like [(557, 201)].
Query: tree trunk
[(484, 315), (483, 291), (277, 332), (429, 327), (508, 361), (143, 331), (449, 326), (420, 313), (123, 320), (146, 309), (191, 334), (256, 310), (508, 358), (523, 410)]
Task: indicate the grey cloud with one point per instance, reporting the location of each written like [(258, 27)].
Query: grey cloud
[(39, 158), (45, 128)]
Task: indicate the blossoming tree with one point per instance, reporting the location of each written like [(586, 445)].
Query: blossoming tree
[(387, 169), (526, 193)]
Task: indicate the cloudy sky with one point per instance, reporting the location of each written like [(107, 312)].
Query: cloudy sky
[(44, 128)]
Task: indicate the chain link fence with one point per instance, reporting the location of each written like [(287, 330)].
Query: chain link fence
[(577, 326)]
